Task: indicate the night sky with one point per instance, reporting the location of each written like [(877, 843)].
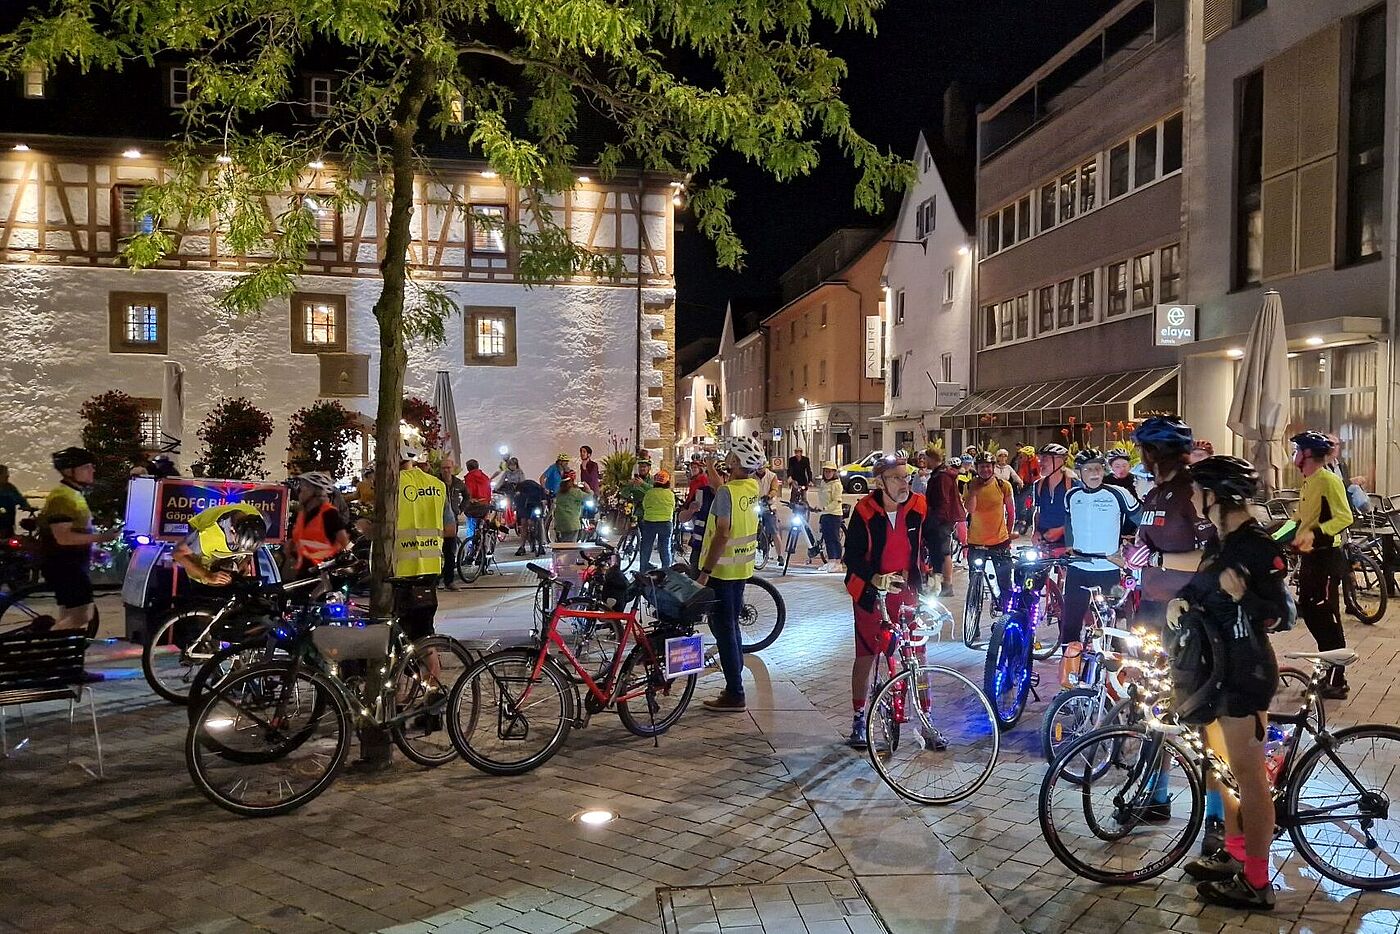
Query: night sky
[(894, 88)]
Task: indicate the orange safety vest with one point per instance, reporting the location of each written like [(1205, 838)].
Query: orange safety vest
[(309, 537)]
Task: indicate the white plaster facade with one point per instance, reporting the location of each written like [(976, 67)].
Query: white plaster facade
[(699, 400), (933, 342), (743, 377)]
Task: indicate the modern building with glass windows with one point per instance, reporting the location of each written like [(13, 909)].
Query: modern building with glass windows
[(1292, 186)]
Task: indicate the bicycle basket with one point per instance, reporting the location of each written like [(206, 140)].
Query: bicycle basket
[(676, 597), (339, 643)]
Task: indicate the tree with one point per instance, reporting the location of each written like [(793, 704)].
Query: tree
[(317, 437), (112, 433), (234, 433), (673, 83)]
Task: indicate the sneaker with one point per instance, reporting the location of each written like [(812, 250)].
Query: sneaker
[(520, 552), (933, 739), (1213, 840), (449, 586), (858, 738), (1216, 867), (726, 703), (947, 591), (1335, 691), (1236, 892), (1156, 813)]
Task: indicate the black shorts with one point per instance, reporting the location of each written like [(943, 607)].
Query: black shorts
[(942, 545), (1251, 678), (72, 587), (415, 603)]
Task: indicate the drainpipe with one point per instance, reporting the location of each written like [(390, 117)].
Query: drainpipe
[(640, 193)]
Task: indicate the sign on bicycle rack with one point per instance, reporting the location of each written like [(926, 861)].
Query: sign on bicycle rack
[(684, 655)]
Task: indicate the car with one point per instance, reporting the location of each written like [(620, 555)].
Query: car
[(855, 478)]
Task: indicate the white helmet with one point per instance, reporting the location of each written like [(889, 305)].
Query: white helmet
[(317, 479), (749, 454)]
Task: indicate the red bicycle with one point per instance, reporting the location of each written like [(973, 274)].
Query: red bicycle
[(512, 710)]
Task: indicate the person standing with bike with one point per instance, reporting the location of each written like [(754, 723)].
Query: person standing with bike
[(946, 510), (770, 490), (319, 531), (1097, 516), (888, 531), (696, 509), (1238, 591), (11, 502), (1046, 498), (1323, 514), (726, 564), (66, 537), (658, 509), (990, 504), (452, 515), (568, 510), (833, 516)]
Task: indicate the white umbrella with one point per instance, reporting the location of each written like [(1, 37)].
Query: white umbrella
[(172, 408), (1259, 411), (447, 415)]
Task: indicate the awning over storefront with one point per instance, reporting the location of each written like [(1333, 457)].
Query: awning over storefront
[(1091, 399)]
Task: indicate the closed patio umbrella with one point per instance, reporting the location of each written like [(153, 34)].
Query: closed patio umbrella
[(172, 408), (447, 414), (1259, 410)]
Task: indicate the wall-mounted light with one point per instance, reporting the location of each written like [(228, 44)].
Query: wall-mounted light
[(21, 147), (1314, 342), (964, 250), (1235, 352), (131, 154), (316, 165), (489, 173)]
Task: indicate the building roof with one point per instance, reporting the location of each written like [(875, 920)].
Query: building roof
[(957, 167), (842, 247)]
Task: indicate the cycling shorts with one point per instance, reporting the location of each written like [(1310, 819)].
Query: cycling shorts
[(72, 587), (942, 545), (872, 635)]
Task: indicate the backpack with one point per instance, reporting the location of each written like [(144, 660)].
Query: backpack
[(1196, 648)]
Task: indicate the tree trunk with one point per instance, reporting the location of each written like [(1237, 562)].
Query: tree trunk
[(393, 358)]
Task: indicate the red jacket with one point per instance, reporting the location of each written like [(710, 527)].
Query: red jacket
[(945, 504), (865, 541)]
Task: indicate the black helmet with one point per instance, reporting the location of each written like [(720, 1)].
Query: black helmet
[(68, 458), (246, 532), (1053, 450), (1089, 456), (984, 457), (1164, 431), (1117, 454), (1231, 479), (1314, 442)]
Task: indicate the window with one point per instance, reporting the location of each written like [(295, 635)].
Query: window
[(127, 223), (923, 220), (137, 322), (1023, 218), (991, 234), (1088, 186), (807, 324), (821, 372), (178, 82), (488, 228), (1118, 171), (32, 83), (899, 307), (1365, 148), (1008, 323), (989, 325), (1145, 157), (150, 423), (1249, 8), (320, 96), (318, 323), (1169, 274), (327, 221), (948, 281), (1066, 295), (1249, 175), (1171, 145), (1008, 225), (1117, 289), (894, 378), (928, 160), (490, 335), (823, 314), (1047, 206), (1023, 315), (1045, 310), (1142, 282), (945, 364), (792, 331), (1086, 297), (1069, 185)]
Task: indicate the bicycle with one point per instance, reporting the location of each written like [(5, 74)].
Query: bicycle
[(801, 523), (1023, 635), (1332, 796), (767, 536), (522, 702), (955, 745), (1365, 592), (476, 555)]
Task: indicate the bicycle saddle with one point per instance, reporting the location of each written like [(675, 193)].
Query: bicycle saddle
[(541, 572), (1338, 657)]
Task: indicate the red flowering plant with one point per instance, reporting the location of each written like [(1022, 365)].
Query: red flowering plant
[(423, 416), (234, 433)]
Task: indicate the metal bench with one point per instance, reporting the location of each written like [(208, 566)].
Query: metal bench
[(46, 666)]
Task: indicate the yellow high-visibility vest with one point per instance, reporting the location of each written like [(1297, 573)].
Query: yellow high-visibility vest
[(213, 540), (736, 561), (418, 535)]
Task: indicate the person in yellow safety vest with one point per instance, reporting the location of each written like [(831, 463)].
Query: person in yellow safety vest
[(726, 562), (219, 537), (417, 555)]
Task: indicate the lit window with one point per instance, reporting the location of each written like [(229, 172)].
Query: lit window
[(457, 110), (179, 86), (129, 223), (1142, 282), (325, 216), (1069, 185), (1008, 321), (488, 228), (32, 83), (142, 324), (137, 322), (1170, 274), (319, 324), (1117, 289), (320, 97), (490, 335)]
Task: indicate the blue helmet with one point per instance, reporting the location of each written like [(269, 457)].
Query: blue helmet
[(1313, 441), (1164, 431)]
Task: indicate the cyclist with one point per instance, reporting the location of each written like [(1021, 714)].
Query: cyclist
[(990, 503), (1322, 515), (529, 499), (568, 510), (799, 474), (946, 510), (696, 509), (1239, 590), (588, 471), (319, 531), (66, 538), (1028, 469), (888, 531), (833, 515), (658, 509), (11, 501), (1097, 516), (726, 563), (1046, 498), (1119, 465), (554, 474), (220, 537), (770, 491)]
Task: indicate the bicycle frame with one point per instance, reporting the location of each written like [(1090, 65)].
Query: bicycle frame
[(609, 692)]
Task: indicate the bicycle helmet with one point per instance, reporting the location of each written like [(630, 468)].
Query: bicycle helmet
[(1089, 456), (1312, 441), (1026, 450), (1054, 450), (747, 452), (563, 459), (245, 532), (662, 478), (69, 458), (316, 479), (1231, 479), (1164, 431), (1117, 454), (966, 460), (884, 465), (984, 457)]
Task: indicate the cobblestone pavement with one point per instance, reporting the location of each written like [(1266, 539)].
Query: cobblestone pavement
[(749, 817)]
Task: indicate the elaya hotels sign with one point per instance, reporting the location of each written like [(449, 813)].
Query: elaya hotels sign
[(1176, 325)]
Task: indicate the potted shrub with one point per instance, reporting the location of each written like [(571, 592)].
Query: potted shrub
[(234, 433)]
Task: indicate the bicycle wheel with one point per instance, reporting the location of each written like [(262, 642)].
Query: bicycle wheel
[(763, 617), (934, 707), (760, 555), (268, 740), (1006, 674), (505, 722), (231, 658), (650, 703), (1339, 801), (21, 606), (1070, 715), (973, 606), (883, 714), (469, 563), (1363, 589), (1045, 641), (1100, 828), (173, 654), (629, 548), (422, 681)]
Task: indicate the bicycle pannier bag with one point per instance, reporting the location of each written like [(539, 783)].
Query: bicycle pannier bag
[(339, 643)]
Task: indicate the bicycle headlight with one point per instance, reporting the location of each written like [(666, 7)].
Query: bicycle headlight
[(538, 511), (1030, 554), (796, 521), (977, 562), (602, 530), (588, 504)]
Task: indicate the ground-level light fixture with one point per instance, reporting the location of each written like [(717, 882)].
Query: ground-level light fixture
[(595, 817), (223, 158), (316, 165), (1314, 342), (584, 179), (132, 153), (1235, 352), (489, 173)]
